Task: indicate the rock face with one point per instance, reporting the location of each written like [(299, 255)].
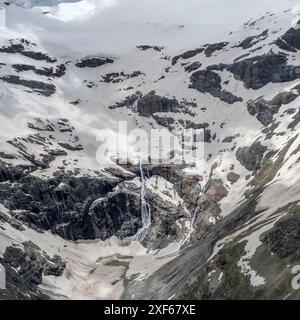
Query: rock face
[(290, 40), (116, 77), (284, 239), (296, 120), (60, 204), (93, 62), (152, 103), (207, 49), (207, 81), (166, 227), (168, 217), (39, 56), (233, 177), (193, 66), (259, 71), (208, 205), (187, 55), (117, 214), (31, 264), (170, 123), (19, 48), (13, 48), (251, 157), (253, 40), (96, 208), (58, 72), (192, 260), (147, 47), (265, 110), (211, 48), (43, 88)]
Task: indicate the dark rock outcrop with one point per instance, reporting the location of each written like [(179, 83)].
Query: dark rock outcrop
[(285, 97), (208, 50), (208, 205), (187, 55), (170, 123), (251, 157), (265, 110), (216, 67), (233, 177), (44, 89), (163, 230), (128, 102), (58, 72), (15, 48), (193, 66), (207, 81), (116, 77), (39, 56), (117, 214), (25, 269), (284, 238), (229, 139), (290, 41), (295, 122), (259, 71), (60, 204), (152, 103), (93, 62), (70, 147), (211, 48), (147, 47), (253, 40)]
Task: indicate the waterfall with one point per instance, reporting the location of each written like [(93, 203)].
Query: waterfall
[(145, 207), (196, 212), (145, 211)]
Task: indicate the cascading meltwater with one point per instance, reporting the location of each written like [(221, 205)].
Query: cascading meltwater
[(145, 211)]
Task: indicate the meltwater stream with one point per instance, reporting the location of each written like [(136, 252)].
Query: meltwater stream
[(145, 211), (145, 207), (197, 211)]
